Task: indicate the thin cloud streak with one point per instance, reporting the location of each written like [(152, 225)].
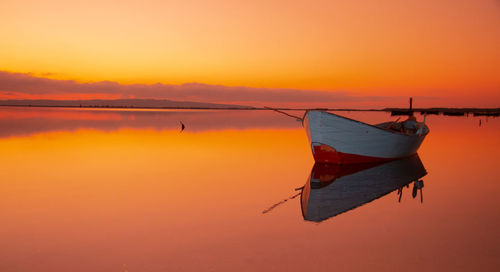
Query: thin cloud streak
[(27, 86)]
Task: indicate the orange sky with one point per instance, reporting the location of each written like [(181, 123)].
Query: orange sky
[(433, 48)]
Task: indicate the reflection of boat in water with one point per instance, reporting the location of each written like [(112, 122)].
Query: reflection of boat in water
[(333, 189), (337, 139)]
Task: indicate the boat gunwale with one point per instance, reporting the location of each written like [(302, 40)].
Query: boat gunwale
[(374, 126)]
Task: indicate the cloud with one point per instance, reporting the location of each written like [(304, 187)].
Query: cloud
[(28, 86)]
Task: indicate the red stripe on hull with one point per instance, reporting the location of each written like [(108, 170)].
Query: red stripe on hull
[(327, 154)]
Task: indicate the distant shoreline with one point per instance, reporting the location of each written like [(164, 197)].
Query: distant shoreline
[(131, 107), (395, 111)]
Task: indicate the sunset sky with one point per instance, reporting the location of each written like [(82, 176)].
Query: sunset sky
[(446, 52)]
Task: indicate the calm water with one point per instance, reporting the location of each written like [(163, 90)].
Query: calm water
[(115, 190)]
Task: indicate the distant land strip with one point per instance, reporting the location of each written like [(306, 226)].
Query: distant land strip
[(117, 103), (185, 105)]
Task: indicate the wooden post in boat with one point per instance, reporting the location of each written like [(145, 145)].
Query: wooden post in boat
[(411, 106)]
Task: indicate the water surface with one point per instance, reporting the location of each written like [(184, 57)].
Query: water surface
[(125, 190)]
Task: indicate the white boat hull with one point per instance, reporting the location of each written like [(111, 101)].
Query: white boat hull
[(336, 139)]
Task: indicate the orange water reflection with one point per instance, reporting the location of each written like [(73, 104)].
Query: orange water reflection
[(148, 199), (17, 121)]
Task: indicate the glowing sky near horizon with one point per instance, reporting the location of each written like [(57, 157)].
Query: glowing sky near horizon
[(443, 48)]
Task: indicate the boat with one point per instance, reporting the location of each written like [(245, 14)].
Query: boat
[(333, 189), (341, 140)]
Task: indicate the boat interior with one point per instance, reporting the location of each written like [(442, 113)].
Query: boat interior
[(410, 126)]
